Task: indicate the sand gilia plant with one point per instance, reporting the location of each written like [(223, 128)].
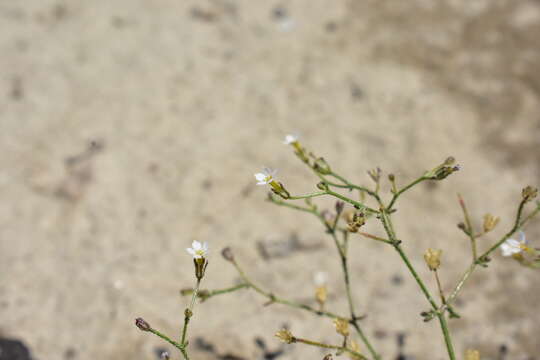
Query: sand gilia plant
[(340, 224)]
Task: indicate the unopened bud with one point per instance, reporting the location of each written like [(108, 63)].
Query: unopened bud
[(328, 357), (286, 336), (433, 258), (321, 295), (529, 193), (353, 345), (490, 222), (200, 267), (142, 324), (444, 172), (462, 226), (321, 166), (472, 354), (449, 161), (322, 186), (339, 207), (375, 174), (188, 313), (342, 326), (227, 254)]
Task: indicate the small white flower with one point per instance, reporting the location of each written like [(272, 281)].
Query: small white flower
[(320, 278), (513, 246), (290, 138), (198, 250), (266, 176)]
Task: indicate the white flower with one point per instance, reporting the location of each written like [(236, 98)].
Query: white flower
[(198, 250), (290, 138), (513, 246), (266, 176)]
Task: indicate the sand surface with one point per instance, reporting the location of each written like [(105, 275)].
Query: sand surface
[(128, 128)]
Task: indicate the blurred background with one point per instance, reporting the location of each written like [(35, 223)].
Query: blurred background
[(128, 128)]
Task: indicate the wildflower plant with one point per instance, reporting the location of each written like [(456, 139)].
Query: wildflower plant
[(368, 205)]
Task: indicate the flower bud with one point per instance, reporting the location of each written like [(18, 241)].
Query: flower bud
[(142, 324), (357, 221), (529, 193), (353, 345), (339, 206), (375, 174), (328, 357), (342, 327), (472, 355), (490, 222), (200, 267), (433, 258), (164, 356), (286, 336), (227, 254), (321, 166)]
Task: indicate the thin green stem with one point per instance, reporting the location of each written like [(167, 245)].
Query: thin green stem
[(517, 225), (387, 224), (274, 299), (401, 191), (468, 227), (327, 346), (356, 204), (308, 196), (377, 238), (167, 339)]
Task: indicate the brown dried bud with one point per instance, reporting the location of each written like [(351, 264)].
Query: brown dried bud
[(342, 327), (142, 324), (286, 336), (391, 177), (529, 193), (433, 258), (327, 357), (462, 226), (227, 254), (357, 221), (490, 222), (188, 313)]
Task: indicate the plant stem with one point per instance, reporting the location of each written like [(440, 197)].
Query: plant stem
[(401, 191), (517, 225), (356, 204), (327, 346), (167, 339), (274, 299), (387, 224), (468, 227)]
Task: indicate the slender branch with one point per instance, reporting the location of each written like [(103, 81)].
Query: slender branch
[(274, 299), (468, 227), (179, 346), (441, 293), (356, 204), (308, 196), (327, 346), (401, 191), (387, 224), (370, 236), (517, 225)]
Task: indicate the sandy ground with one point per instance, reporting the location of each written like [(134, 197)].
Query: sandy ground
[(131, 127)]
